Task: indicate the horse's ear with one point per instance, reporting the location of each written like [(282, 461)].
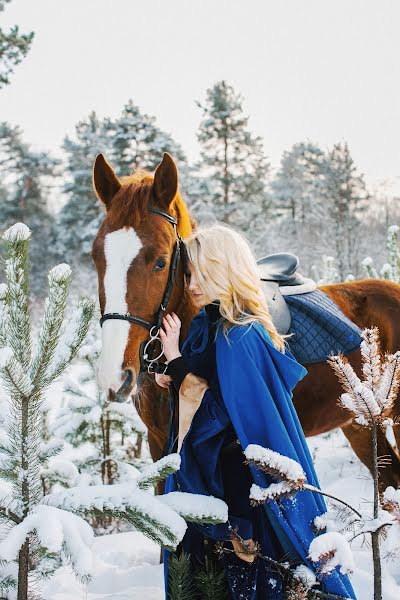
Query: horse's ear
[(105, 182), (166, 180)]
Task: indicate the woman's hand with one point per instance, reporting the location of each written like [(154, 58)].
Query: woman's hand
[(246, 556), (163, 380), (170, 337)]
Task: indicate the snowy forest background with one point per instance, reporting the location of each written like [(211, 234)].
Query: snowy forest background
[(315, 203)]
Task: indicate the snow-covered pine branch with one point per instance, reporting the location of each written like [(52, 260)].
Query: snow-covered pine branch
[(109, 434), (291, 477), (372, 399), (370, 351), (331, 550), (158, 517), (59, 281), (196, 508), (159, 471), (369, 269), (391, 502), (275, 464), (70, 340), (303, 579), (56, 530), (16, 240)]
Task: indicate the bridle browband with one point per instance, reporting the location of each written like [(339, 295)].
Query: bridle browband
[(151, 365)]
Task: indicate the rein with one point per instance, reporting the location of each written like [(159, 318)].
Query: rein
[(152, 365)]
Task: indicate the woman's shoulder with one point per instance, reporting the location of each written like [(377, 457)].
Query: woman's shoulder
[(248, 333)]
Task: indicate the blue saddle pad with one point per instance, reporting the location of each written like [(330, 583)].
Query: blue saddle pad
[(320, 328)]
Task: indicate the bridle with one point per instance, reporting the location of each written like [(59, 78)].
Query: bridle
[(152, 365)]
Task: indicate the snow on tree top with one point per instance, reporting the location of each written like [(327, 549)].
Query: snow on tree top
[(282, 464), (17, 233), (6, 355), (367, 261), (3, 290), (60, 272)]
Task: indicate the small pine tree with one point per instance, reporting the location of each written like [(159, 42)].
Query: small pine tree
[(391, 269), (232, 157), (105, 438), (26, 373)]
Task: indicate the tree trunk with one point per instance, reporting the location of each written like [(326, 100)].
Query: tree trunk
[(375, 534), (23, 557), (226, 172), (23, 571)]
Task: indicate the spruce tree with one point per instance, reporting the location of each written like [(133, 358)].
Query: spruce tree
[(138, 143), (14, 46), (131, 141), (232, 157), (26, 176), (345, 198), (81, 215), (296, 184)]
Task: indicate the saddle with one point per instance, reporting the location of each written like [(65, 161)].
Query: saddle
[(297, 307), (279, 278)]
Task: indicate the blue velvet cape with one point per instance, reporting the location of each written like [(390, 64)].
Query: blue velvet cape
[(254, 394)]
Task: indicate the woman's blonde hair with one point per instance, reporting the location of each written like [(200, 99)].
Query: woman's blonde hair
[(226, 270)]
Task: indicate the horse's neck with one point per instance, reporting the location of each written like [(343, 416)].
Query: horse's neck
[(186, 311)]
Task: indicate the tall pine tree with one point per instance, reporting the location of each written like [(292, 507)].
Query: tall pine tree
[(26, 177), (296, 184), (232, 156), (131, 141), (346, 198), (81, 215)]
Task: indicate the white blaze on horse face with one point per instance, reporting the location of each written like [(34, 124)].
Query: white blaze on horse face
[(120, 248)]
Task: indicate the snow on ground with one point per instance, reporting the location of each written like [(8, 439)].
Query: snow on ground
[(126, 568), (127, 564)]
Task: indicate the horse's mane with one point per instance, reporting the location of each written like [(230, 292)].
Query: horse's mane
[(131, 203)]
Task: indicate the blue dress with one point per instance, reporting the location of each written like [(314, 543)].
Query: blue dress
[(212, 463)]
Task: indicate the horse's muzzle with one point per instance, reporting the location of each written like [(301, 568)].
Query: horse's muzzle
[(126, 388)]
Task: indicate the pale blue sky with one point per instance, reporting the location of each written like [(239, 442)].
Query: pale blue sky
[(325, 70)]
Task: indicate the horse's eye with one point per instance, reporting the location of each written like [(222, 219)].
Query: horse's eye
[(160, 264)]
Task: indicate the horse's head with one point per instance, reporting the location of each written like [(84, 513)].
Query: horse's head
[(132, 252)]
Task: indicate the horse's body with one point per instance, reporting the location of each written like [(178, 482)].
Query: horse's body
[(140, 280)]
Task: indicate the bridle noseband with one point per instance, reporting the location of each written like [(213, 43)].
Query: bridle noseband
[(151, 365)]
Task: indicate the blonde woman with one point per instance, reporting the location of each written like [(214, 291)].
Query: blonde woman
[(235, 375)]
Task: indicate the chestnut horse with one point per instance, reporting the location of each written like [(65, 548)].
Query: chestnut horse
[(132, 252)]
